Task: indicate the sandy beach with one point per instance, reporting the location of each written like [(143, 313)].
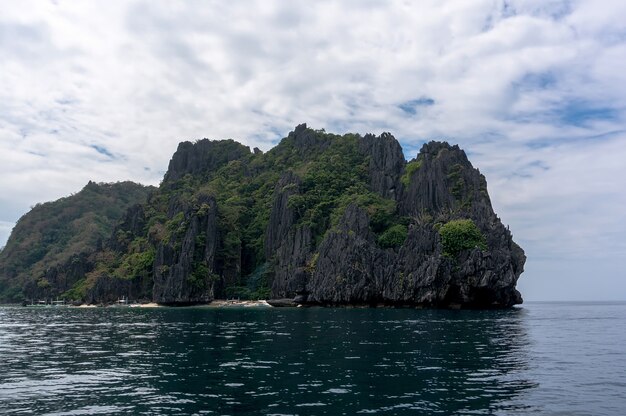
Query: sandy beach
[(246, 303)]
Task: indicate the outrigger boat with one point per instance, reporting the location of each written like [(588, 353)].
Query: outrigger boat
[(122, 302), (47, 303)]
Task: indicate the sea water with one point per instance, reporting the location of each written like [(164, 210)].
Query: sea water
[(540, 358)]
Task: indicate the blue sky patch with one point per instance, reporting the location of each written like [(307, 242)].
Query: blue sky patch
[(540, 80), (540, 164), (580, 114), (103, 151), (410, 107)]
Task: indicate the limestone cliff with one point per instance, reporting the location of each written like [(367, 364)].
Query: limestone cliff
[(350, 266)]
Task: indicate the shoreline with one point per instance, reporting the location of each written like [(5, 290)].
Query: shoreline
[(221, 303), (269, 303), (218, 303)]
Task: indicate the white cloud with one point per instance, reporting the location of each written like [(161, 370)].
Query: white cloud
[(533, 90)]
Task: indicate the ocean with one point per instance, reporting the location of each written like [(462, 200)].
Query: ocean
[(539, 358)]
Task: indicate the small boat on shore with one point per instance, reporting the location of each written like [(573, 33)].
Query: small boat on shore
[(46, 303)]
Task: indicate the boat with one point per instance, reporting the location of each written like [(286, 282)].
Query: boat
[(123, 301)]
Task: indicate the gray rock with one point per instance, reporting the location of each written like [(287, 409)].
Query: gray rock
[(287, 246), (291, 263), (353, 269), (108, 290), (307, 142), (282, 217), (176, 276), (386, 163), (350, 267), (203, 156)]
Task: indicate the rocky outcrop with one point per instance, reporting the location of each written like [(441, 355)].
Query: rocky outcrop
[(291, 271), (446, 186), (282, 217), (132, 224), (308, 142), (386, 163), (445, 181), (184, 265), (109, 289), (287, 245), (203, 156), (351, 268)]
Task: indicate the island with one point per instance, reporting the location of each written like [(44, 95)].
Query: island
[(320, 219)]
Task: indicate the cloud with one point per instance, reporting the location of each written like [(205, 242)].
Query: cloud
[(533, 90)]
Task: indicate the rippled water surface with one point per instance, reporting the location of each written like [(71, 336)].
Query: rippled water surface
[(543, 358)]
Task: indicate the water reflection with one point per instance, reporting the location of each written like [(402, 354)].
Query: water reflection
[(257, 361)]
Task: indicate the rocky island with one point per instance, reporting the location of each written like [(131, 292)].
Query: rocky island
[(320, 219)]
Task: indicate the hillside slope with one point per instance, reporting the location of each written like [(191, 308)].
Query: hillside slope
[(52, 240)]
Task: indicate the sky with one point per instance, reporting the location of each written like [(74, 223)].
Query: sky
[(534, 91)]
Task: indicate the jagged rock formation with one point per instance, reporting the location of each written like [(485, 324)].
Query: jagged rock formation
[(289, 244), (321, 219), (176, 278), (386, 163), (202, 157), (351, 267)]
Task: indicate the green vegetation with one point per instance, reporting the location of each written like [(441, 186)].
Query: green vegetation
[(339, 171), (78, 291), (382, 212), (455, 180), (459, 235), (138, 262), (256, 286), (411, 167), (53, 233), (393, 237)]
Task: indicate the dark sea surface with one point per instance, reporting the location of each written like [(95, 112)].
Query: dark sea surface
[(542, 358)]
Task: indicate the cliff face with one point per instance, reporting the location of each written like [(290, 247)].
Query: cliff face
[(203, 157), (321, 218), (185, 274), (288, 244), (386, 163), (351, 267)]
